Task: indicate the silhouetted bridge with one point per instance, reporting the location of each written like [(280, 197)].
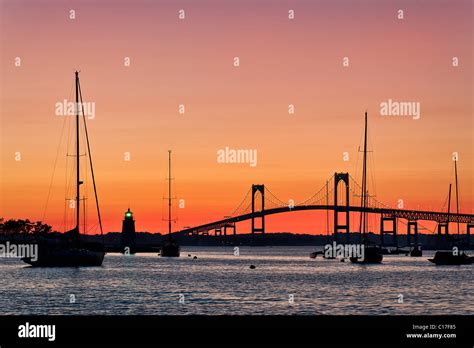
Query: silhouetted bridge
[(254, 209)]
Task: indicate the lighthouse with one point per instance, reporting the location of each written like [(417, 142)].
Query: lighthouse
[(127, 242)]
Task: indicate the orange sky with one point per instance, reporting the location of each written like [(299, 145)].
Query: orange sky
[(190, 62)]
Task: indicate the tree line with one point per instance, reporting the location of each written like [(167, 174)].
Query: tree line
[(23, 227)]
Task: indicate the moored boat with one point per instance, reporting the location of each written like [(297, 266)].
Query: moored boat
[(451, 258), (169, 246), (70, 250)]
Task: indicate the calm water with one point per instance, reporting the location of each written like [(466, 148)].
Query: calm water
[(217, 282)]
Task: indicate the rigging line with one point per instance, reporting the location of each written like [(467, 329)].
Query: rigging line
[(66, 187), (54, 170), (90, 161), (65, 175)]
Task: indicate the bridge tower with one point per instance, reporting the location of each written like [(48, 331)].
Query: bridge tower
[(259, 214), (469, 226), (344, 177)]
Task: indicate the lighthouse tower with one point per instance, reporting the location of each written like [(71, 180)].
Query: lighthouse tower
[(127, 242)]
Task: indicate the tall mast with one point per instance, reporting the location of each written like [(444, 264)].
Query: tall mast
[(449, 209), (363, 203), (457, 197), (327, 211), (169, 193), (78, 182)]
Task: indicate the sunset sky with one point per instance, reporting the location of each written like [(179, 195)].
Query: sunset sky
[(190, 61)]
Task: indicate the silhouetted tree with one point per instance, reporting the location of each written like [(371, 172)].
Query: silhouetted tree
[(24, 227)]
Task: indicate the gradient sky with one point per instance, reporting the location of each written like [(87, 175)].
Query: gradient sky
[(190, 62)]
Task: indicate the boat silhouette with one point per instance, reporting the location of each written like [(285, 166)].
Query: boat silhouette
[(70, 250), (450, 258), (416, 252), (445, 257), (372, 253), (169, 247)]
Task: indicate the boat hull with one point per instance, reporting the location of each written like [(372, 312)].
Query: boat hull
[(416, 252), (170, 248), (67, 258), (372, 255), (448, 258)]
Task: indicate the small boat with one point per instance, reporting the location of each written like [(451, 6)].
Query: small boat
[(170, 248), (449, 258), (314, 254), (416, 252), (70, 250), (329, 257), (396, 251), (372, 254)]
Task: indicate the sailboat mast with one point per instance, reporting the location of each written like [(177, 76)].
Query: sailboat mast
[(327, 211), (449, 209), (457, 197), (169, 193), (78, 183), (364, 183)]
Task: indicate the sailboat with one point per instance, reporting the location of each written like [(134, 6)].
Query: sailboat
[(372, 252), (445, 257), (71, 250), (170, 247)]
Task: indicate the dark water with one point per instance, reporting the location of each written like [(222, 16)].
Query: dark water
[(217, 282)]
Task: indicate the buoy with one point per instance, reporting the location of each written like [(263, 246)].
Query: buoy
[(252, 267), (189, 255)]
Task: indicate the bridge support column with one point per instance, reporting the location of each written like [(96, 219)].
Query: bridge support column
[(393, 231), (344, 177), (258, 215), (231, 226), (468, 233), (413, 224), (441, 243)]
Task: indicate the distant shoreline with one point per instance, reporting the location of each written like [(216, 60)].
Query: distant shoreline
[(147, 239)]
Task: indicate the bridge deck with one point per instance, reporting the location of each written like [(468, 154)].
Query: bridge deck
[(413, 215)]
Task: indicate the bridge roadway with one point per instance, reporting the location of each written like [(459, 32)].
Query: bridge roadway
[(412, 215)]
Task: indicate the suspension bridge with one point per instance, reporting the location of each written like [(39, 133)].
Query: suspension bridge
[(338, 194)]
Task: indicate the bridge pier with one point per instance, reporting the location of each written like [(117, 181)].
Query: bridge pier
[(468, 233), (258, 215), (413, 224), (344, 177), (234, 229), (393, 231), (441, 243)]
